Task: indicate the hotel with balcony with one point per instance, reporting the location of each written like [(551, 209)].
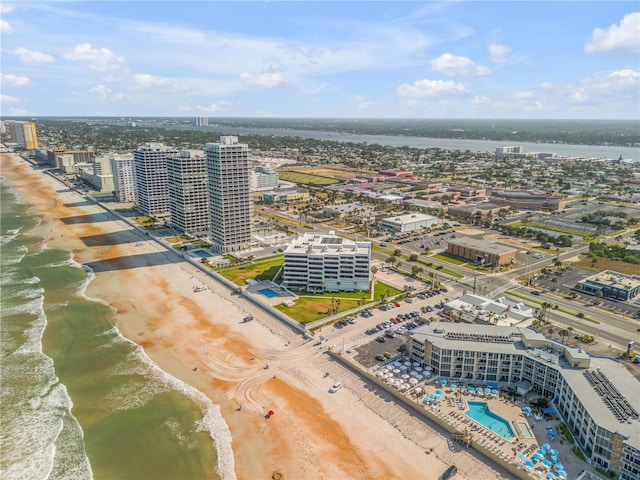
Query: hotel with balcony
[(596, 397), (188, 200), (329, 263)]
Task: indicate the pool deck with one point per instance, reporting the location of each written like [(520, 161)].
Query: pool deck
[(450, 412), (281, 296)]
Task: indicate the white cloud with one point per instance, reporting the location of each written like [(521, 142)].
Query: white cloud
[(214, 107), (480, 100), (20, 112), (431, 88), (499, 53), (144, 80), (32, 57), (9, 99), (622, 85), (263, 80), (107, 95), (99, 59), (5, 27), (6, 8), (14, 80), (362, 103), (454, 66), (625, 36)]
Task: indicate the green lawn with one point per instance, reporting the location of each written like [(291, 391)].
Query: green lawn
[(305, 178), (309, 308), (263, 269), (443, 269)]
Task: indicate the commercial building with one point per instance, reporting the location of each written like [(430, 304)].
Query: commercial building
[(596, 397), (317, 263), (202, 121), (528, 200), (227, 164), (474, 308), (482, 210), (395, 172), (481, 251), (24, 134), (510, 152), (409, 222), (152, 180), (286, 196), (188, 198), (124, 177), (612, 285), (263, 177)]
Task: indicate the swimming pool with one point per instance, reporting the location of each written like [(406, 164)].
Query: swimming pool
[(525, 431), (480, 412), (267, 292), (202, 253)]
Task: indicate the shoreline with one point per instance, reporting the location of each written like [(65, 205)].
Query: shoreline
[(200, 339)]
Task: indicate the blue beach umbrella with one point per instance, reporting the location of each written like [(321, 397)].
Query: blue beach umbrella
[(553, 452), (495, 392), (547, 463), (522, 456), (541, 452), (443, 381), (537, 457), (487, 390), (527, 410), (546, 446), (463, 387), (554, 459), (471, 389), (559, 466), (562, 474), (453, 385), (551, 476), (438, 392), (529, 464)]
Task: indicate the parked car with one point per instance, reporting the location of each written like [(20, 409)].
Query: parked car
[(380, 357), (381, 339), (388, 355), (335, 387)]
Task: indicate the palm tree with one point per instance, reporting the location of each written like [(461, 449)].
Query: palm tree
[(554, 280), (563, 333)]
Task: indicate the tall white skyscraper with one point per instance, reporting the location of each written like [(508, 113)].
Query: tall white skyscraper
[(152, 181), (228, 187), (124, 177), (202, 121), (188, 198)]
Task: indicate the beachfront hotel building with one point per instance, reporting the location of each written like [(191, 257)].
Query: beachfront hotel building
[(24, 134), (227, 165), (98, 174), (124, 177), (612, 285), (152, 179), (188, 199), (317, 263), (596, 397)]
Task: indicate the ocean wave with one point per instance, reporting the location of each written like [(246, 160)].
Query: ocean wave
[(212, 421), (39, 405)]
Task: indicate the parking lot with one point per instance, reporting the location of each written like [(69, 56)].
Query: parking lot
[(436, 240), (568, 279), (366, 354)]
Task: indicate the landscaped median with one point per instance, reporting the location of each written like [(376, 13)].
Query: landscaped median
[(559, 309)]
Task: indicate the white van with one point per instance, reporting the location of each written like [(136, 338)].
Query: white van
[(537, 255), (335, 387)]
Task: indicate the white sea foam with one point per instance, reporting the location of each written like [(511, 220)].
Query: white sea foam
[(212, 421), (30, 433)]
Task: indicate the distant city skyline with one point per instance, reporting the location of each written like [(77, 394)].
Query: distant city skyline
[(470, 59)]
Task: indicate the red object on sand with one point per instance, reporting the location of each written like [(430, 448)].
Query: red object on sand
[(271, 412)]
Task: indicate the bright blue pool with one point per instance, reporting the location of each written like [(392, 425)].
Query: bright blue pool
[(479, 412), (267, 292), (201, 253)]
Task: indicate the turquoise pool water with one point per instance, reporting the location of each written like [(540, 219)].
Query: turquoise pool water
[(202, 253), (267, 292), (479, 411)]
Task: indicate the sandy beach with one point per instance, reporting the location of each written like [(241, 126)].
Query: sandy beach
[(200, 338)]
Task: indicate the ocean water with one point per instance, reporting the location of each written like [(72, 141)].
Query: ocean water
[(79, 401)]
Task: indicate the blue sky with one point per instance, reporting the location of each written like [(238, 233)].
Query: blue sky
[(447, 59)]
